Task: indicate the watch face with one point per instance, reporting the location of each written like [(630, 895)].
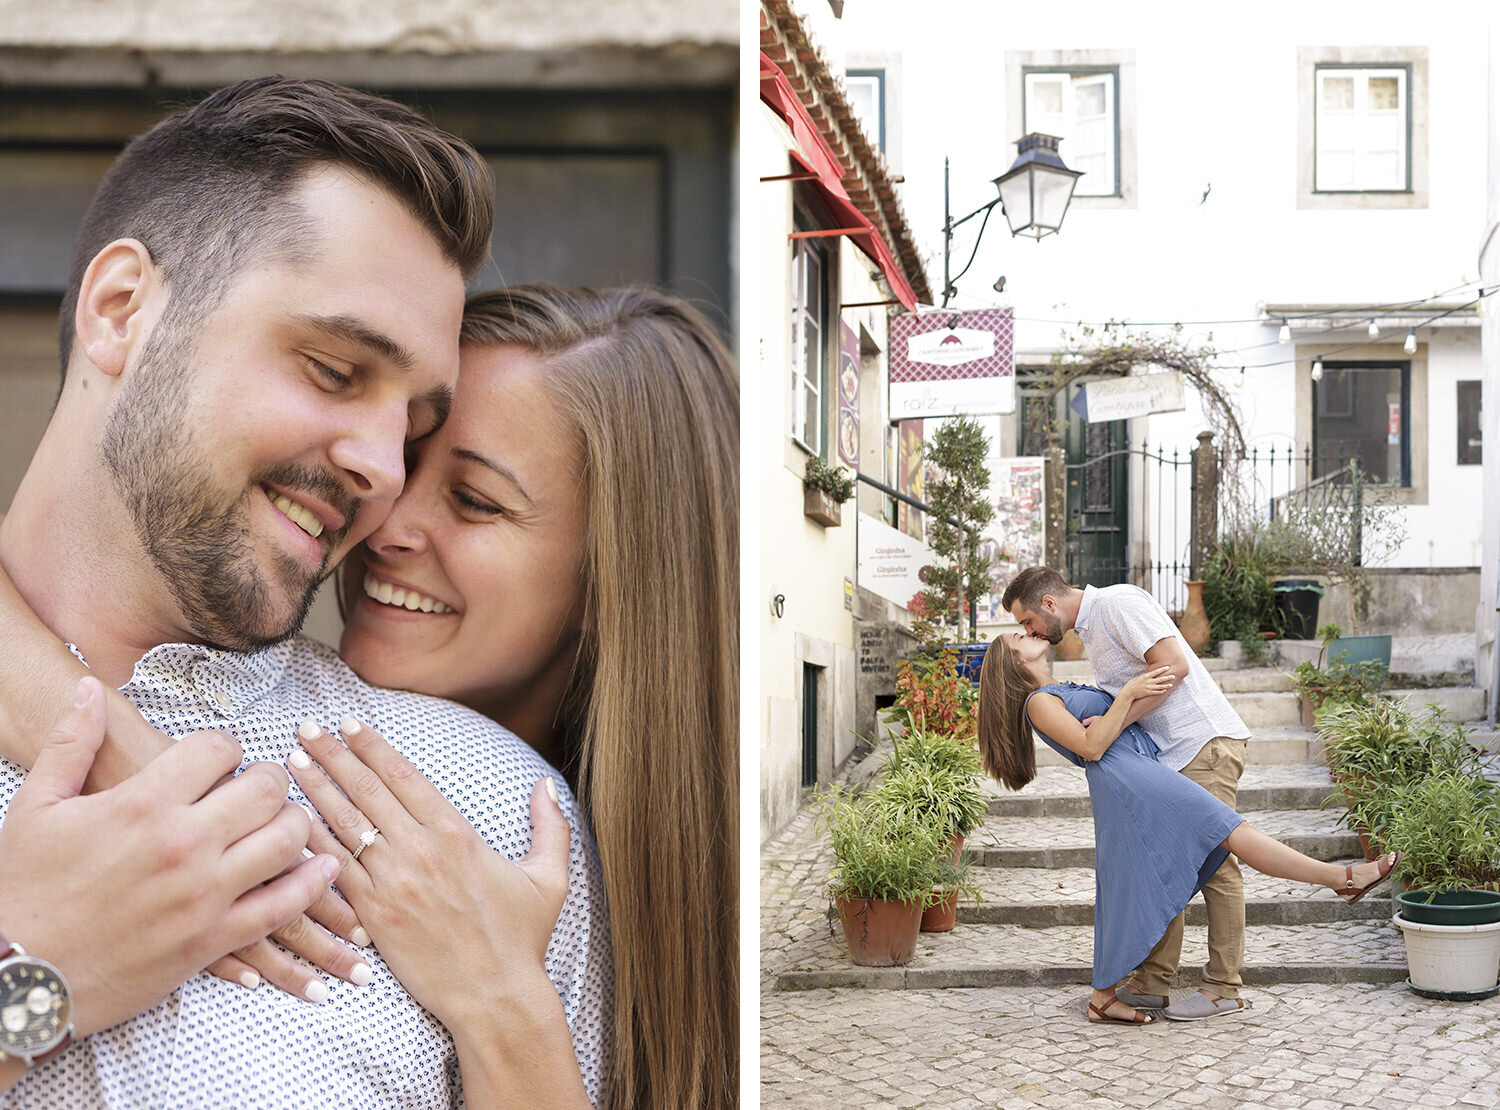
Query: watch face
[(35, 1008)]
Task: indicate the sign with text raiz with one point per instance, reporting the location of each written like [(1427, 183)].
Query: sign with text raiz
[(952, 364)]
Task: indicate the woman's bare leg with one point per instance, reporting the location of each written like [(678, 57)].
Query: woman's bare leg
[(1272, 857)]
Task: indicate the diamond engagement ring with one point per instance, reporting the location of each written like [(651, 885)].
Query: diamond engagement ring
[(366, 838)]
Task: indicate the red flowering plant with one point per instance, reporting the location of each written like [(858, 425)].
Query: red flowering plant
[(931, 696)]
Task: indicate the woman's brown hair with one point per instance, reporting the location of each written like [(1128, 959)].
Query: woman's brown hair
[(652, 711), (1006, 747)]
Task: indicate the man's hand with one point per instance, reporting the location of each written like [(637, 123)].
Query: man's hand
[(132, 890)]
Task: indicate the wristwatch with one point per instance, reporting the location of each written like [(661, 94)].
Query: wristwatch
[(36, 1007)]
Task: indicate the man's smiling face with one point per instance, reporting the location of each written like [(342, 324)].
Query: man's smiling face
[(253, 453)]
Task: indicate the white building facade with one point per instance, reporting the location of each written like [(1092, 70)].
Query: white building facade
[(1323, 164)]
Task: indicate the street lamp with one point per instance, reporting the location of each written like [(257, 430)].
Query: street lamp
[(1034, 194)]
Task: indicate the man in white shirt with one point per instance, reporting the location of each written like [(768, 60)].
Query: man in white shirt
[(1198, 733), (263, 313)]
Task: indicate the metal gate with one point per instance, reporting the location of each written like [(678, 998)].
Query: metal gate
[(1130, 515)]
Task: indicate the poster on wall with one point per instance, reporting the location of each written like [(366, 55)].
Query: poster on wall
[(889, 560), (952, 364), (1016, 537), (848, 430)]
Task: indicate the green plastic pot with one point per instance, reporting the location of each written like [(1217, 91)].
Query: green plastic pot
[(1450, 907)]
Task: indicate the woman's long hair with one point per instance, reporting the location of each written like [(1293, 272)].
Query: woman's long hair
[(1006, 747), (651, 716)]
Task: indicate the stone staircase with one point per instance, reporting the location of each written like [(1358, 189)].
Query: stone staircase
[(1035, 855)]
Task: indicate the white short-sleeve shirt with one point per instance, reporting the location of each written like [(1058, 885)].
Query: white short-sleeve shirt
[(212, 1044), (1118, 625)]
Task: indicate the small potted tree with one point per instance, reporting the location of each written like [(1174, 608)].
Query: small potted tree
[(887, 864), (958, 494), (824, 489)]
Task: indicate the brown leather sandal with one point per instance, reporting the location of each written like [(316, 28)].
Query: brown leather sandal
[(1136, 1018), (1351, 894)]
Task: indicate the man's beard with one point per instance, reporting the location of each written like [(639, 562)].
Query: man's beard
[(1053, 624), (200, 545)]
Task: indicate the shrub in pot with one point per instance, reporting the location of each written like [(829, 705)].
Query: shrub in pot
[(932, 696), (887, 863), (1447, 827), (1376, 748), (936, 776)]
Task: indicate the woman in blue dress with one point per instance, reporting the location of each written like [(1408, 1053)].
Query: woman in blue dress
[(1158, 836)]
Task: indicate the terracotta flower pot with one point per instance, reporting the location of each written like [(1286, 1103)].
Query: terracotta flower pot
[(880, 934), (942, 916)]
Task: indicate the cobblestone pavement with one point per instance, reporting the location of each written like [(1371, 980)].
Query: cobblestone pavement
[(1303, 1046), (1308, 1046)]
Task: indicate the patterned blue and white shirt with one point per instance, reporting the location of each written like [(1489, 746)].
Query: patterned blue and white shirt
[(215, 1044)]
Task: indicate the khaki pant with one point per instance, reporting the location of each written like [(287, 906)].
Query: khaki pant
[(1216, 768)]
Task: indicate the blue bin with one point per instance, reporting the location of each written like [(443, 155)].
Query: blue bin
[(970, 658)]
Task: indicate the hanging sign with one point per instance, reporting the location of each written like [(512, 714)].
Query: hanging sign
[(952, 364), (890, 560), (1125, 398)]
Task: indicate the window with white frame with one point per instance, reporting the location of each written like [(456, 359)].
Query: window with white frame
[(809, 343), (1081, 108), (866, 89), (1362, 125)]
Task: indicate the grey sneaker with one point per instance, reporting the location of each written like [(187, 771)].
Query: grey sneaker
[(1141, 1001), (1195, 1007)]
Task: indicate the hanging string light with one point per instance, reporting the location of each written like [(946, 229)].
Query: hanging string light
[(1374, 329), (1284, 336), (1317, 370), (1410, 346)]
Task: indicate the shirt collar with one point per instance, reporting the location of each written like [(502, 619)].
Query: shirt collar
[(191, 675)]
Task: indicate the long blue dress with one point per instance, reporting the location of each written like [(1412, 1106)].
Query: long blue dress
[(1157, 837)]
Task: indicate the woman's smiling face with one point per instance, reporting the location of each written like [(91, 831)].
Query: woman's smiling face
[(472, 589)]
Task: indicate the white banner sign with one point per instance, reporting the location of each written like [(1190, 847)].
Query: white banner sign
[(889, 560), (1124, 398)]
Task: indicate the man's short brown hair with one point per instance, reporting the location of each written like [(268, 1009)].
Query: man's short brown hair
[(1031, 585), (206, 189)]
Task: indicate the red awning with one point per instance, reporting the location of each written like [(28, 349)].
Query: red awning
[(814, 155)]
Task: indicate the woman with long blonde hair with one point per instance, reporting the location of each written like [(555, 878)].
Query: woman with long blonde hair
[(1158, 836), (564, 559)]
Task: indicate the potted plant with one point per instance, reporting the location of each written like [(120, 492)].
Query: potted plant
[(933, 696), (824, 489), (1237, 593), (1340, 683), (1447, 827), (887, 864), (942, 915), (935, 776)]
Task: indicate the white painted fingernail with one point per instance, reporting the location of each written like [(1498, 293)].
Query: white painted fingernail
[(300, 760), (249, 979), (351, 727), (360, 974), (551, 789), (359, 938), (307, 853), (309, 729), (317, 991)]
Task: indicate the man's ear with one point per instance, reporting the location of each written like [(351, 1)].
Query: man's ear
[(109, 319), (1049, 603)]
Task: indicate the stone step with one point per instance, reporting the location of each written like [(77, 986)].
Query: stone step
[(1069, 841), (1062, 790), (1039, 899), (1270, 744), (1367, 951)]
